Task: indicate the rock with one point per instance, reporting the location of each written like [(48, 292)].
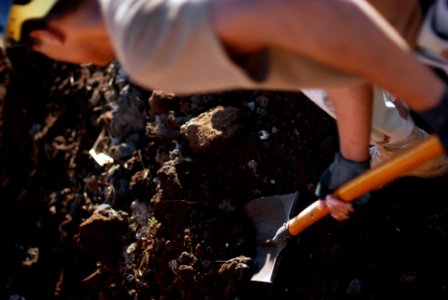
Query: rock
[(124, 150), (162, 127), (409, 277), (262, 101), (32, 257), (141, 183), (140, 212), (128, 117), (169, 181), (212, 128), (100, 235), (239, 266), (235, 271), (355, 287), (160, 102)]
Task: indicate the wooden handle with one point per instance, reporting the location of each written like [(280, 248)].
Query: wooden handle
[(429, 149)]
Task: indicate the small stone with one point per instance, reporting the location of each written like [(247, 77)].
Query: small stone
[(262, 101), (409, 276), (252, 165), (251, 106), (355, 287), (263, 134)]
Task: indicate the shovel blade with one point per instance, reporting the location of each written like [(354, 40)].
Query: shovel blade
[(266, 262), (268, 214)]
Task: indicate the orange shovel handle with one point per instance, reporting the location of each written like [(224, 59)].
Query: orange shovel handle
[(429, 149)]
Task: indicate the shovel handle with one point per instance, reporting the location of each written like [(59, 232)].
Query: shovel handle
[(429, 149)]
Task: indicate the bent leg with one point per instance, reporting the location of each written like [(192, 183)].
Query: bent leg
[(390, 120), (392, 132)]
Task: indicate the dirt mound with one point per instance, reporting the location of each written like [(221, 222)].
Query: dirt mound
[(114, 192)]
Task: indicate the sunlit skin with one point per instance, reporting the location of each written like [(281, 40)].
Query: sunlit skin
[(353, 108), (339, 210), (242, 26), (80, 37)]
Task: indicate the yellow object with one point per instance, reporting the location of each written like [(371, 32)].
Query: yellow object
[(20, 13)]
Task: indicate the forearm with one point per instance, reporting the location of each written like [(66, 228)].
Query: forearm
[(353, 108), (343, 34), (366, 45)]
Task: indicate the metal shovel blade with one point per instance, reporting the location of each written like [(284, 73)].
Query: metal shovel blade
[(268, 214)]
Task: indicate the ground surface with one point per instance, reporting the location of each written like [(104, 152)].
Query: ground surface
[(165, 219)]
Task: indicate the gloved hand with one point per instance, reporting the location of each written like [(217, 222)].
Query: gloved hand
[(339, 172), (437, 118)]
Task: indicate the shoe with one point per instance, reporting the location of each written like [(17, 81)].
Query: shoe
[(434, 168)]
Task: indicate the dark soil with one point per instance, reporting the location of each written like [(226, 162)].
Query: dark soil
[(165, 219)]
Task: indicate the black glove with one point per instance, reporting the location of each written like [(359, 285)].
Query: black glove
[(437, 118), (339, 172)]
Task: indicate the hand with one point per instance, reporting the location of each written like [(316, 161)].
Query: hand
[(339, 209), (339, 172), (437, 118)]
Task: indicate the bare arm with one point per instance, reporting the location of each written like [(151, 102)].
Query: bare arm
[(346, 34), (353, 108)]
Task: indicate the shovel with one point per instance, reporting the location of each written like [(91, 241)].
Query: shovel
[(271, 215)]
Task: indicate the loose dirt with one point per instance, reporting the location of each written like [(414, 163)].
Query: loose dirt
[(114, 192)]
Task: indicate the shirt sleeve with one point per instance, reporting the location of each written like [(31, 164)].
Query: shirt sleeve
[(170, 45)]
